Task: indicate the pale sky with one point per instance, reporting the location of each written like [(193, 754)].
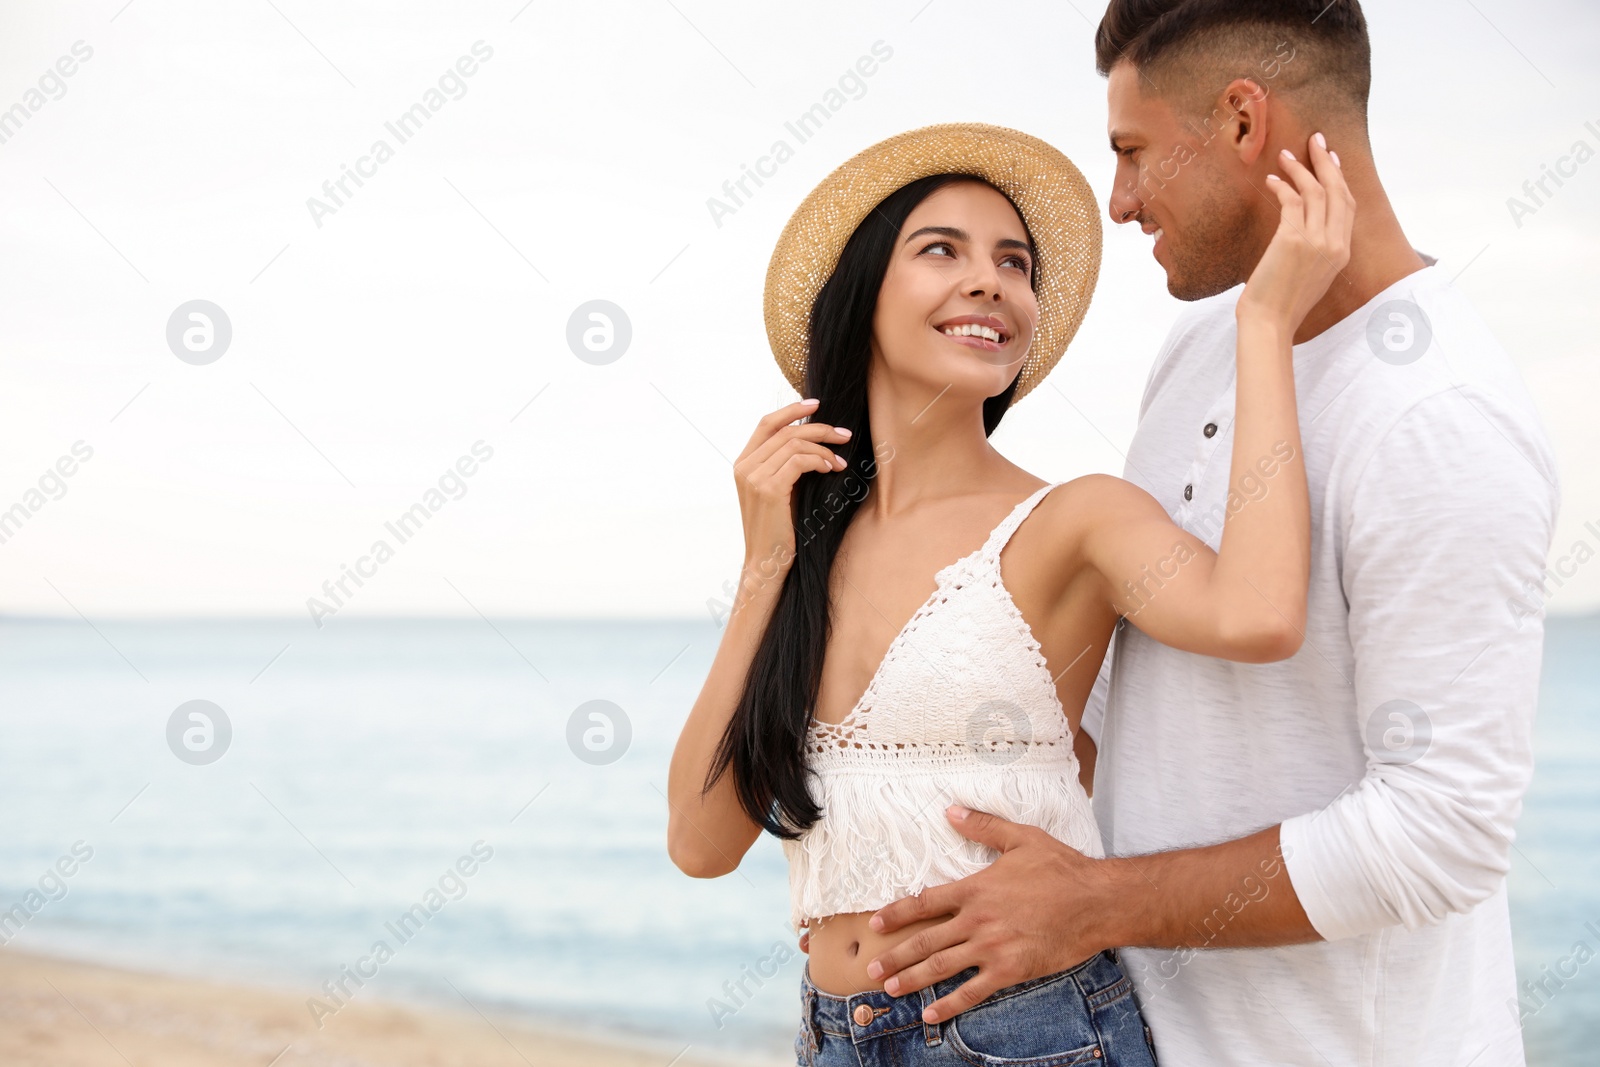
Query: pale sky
[(371, 352)]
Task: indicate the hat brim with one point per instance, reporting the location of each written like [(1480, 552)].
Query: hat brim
[(1055, 200)]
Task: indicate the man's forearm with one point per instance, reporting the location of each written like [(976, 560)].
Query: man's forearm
[(1233, 895)]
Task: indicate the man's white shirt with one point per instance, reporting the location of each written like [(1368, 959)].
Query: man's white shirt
[(1395, 747)]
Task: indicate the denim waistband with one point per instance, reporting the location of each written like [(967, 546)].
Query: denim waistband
[(875, 1013)]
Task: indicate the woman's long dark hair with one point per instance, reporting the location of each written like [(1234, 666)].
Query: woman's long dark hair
[(764, 744)]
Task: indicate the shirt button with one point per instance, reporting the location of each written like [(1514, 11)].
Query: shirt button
[(1211, 429), (1188, 492)]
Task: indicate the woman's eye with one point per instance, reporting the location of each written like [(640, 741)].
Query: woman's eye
[(945, 250)]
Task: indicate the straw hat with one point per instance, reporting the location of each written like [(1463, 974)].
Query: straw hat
[(1052, 195)]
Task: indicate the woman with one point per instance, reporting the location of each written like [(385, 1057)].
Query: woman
[(922, 289)]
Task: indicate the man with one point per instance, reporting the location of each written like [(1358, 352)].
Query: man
[(1310, 855)]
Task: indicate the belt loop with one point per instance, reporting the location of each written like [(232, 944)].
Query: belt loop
[(808, 1011), (932, 1033), (814, 1027)]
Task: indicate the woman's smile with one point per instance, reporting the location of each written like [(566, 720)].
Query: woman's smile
[(985, 332)]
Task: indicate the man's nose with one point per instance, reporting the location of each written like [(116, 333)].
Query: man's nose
[(1124, 207)]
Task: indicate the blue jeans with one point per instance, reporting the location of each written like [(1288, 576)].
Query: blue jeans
[(1085, 1015)]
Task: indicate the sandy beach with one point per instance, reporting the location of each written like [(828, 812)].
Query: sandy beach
[(57, 1013)]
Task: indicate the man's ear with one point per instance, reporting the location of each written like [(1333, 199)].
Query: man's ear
[(1251, 122)]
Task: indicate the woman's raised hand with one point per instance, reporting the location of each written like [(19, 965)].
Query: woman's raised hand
[(1312, 242), (777, 454)]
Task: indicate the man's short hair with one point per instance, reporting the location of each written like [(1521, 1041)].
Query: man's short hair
[(1191, 49)]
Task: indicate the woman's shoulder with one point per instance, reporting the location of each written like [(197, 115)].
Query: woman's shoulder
[(1052, 548), (1088, 493), (1075, 508)]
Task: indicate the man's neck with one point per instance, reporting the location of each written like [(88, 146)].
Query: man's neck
[(1380, 255)]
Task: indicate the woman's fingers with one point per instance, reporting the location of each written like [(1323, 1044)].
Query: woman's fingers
[(804, 462), (1341, 202), (786, 417), (1312, 242), (1329, 205), (779, 451), (784, 435), (1314, 216), (1291, 207), (769, 423), (781, 470)]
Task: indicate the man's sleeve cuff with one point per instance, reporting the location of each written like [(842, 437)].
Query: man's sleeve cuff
[(1327, 881)]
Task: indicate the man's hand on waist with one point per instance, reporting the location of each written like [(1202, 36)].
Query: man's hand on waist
[(1043, 907)]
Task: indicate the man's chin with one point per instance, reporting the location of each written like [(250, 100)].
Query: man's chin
[(1190, 288)]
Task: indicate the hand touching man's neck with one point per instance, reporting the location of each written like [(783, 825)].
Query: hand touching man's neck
[(1380, 254)]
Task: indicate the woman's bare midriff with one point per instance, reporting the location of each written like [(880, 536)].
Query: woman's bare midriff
[(841, 946)]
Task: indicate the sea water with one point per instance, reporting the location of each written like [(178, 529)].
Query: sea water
[(371, 765)]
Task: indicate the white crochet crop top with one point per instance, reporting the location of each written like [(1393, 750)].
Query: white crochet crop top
[(963, 709)]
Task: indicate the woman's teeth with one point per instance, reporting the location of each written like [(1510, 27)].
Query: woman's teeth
[(968, 329)]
